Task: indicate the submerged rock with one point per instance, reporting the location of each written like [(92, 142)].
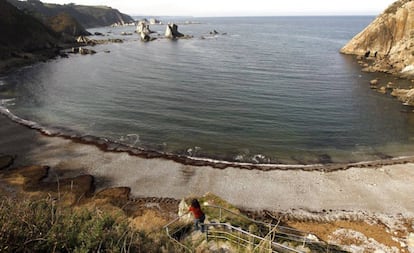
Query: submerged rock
[(6, 161), (382, 90), (410, 242), (83, 51)]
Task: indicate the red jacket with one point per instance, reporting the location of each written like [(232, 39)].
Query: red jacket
[(196, 212)]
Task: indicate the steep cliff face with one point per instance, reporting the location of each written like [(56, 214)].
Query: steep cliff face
[(22, 33), (388, 40)]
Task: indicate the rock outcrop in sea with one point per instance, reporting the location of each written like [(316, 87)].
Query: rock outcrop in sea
[(388, 41), (144, 31), (172, 32)]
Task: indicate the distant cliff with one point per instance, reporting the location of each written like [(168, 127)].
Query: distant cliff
[(388, 41), (87, 16)]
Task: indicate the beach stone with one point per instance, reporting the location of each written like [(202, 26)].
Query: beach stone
[(6, 161), (32, 174), (410, 242), (183, 212), (404, 95), (374, 82), (324, 159), (382, 90), (86, 51)]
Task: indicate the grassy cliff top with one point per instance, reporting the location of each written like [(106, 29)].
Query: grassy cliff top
[(87, 16)]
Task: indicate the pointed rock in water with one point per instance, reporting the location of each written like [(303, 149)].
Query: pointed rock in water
[(172, 32), (388, 40), (382, 90), (144, 31), (410, 242)]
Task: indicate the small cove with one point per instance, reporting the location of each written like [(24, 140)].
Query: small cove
[(270, 90)]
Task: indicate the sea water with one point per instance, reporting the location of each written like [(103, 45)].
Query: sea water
[(261, 90)]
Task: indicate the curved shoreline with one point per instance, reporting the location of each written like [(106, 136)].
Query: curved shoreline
[(111, 146)]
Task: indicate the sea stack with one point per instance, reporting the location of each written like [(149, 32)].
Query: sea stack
[(172, 32), (144, 31), (388, 40)]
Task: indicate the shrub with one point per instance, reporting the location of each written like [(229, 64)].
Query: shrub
[(44, 226)]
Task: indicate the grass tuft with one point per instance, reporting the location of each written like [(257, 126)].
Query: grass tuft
[(44, 226)]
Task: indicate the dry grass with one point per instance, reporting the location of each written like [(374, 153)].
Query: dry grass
[(149, 221), (324, 230)]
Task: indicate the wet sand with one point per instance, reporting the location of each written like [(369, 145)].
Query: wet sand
[(384, 190)]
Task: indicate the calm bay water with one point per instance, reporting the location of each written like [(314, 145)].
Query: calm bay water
[(268, 90)]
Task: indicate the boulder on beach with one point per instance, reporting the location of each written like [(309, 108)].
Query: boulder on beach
[(374, 82)]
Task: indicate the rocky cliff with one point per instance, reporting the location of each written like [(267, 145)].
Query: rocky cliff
[(66, 25), (87, 16), (388, 41), (22, 33)]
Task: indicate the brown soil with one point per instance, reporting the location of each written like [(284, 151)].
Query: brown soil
[(378, 232)]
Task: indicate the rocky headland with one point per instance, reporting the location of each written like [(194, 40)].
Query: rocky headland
[(29, 36), (87, 16), (388, 41), (387, 45), (24, 39)]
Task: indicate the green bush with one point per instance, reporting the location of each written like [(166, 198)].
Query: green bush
[(43, 226)]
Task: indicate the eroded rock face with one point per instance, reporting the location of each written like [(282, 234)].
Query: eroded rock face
[(388, 40), (404, 95)]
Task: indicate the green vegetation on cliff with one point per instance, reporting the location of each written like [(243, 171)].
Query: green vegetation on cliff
[(87, 16)]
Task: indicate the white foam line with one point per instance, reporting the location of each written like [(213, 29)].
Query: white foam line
[(36, 126)]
